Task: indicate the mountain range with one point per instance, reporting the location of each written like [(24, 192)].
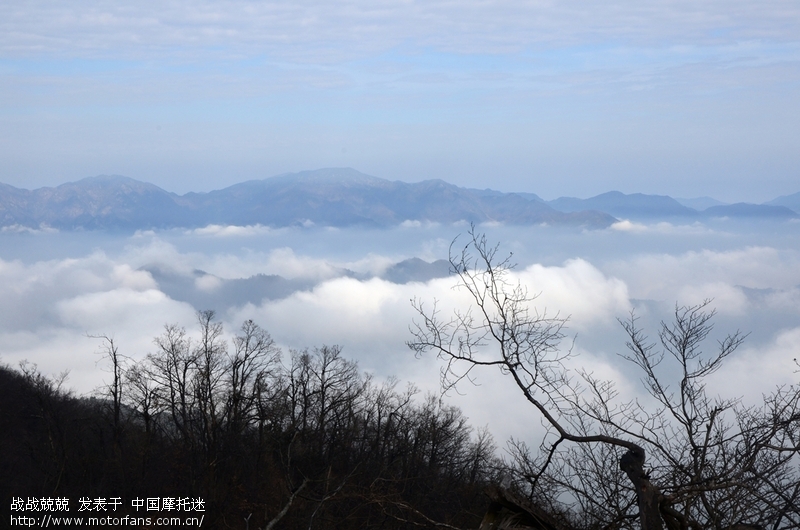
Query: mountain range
[(340, 197)]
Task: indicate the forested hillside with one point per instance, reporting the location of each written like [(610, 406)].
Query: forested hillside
[(302, 439), (309, 443)]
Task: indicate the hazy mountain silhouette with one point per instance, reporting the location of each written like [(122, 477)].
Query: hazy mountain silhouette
[(636, 205), (417, 270), (106, 201), (329, 197), (338, 197), (700, 203), (651, 207), (789, 201)]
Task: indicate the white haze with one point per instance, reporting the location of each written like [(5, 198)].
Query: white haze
[(57, 290)]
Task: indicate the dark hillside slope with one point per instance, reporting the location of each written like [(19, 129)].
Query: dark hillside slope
[(356, 468)]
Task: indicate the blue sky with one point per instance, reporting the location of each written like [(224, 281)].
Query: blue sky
[(551, 97)]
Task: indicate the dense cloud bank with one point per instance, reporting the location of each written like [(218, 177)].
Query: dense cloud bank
[(308, 293)]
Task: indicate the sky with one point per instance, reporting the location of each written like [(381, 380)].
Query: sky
[(575, 98)]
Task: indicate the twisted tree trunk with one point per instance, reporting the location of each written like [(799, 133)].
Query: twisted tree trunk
[(648, 496)]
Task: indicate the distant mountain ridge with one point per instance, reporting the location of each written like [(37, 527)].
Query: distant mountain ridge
[(329, 197), (620, 205), (699, 203), (648, 207), (787, 201), (105, 201)]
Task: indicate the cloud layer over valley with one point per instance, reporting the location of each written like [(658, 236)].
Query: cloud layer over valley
[(317, 286)]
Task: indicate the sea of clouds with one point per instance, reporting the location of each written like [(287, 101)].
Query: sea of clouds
[(57, 290)]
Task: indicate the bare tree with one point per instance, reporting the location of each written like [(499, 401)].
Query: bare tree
[(208, 384), (713, 463), (114, 389), (143, 394), (254, 356), (172, 368)]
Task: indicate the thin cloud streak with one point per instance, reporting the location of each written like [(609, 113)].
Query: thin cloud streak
[(354, 28)]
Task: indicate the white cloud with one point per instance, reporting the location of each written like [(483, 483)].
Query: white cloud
[(577, 289), (628, 226), (663, 276), (757, 370), (727, 299), (245, 261), (125, 276), (425, 225), (28, 293), (131, 317), (371, 264), (156, 251), (20, 229), (100, 294), (125, 308), (371, 318), (50, 305), (284, 262), (661, 227), (207, 282), (226, 264), (786, 300), (231, 230), (356, 26)]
